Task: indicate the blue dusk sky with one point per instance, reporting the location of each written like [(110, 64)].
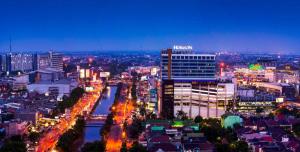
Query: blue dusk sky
[(208, 25)]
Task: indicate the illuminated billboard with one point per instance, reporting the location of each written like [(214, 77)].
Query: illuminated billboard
[(279, 100), (154, 71), (82, 73), (104, 74), (87, 73)]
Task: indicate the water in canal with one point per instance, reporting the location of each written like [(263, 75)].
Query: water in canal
[(93, 133)]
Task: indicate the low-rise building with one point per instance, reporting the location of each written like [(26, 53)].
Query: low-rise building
[(15, 128), (60, 87)]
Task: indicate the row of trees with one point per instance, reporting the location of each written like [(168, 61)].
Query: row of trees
[(135, 78), (68, 102), (96, 146), (135, 128), (133, 92), (109, 119), (66, 141), (106, 127), (133, 131), (118, 93)]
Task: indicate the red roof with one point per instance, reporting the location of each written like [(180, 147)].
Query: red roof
[(267, 138), (280, 117)]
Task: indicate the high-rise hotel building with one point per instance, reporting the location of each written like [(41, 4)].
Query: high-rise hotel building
[(189, 84)]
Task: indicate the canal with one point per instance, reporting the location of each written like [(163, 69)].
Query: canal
[(93, 133)]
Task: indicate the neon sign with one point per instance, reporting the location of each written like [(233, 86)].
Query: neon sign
[(255, 67)]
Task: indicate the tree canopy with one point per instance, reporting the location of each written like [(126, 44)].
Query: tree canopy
[(14, 144), (67, 139), (198, 119), (96, 146), (136, 147)]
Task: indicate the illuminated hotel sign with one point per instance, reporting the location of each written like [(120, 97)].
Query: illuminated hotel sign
[(182, 47)]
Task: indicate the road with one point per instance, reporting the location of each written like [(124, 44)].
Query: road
[(86, 103)]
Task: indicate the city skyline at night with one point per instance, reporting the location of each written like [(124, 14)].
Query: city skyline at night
[(149, 75)]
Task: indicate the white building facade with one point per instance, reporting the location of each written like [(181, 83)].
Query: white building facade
[(204, 99)]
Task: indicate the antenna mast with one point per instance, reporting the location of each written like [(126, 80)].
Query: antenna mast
[(9, 44)]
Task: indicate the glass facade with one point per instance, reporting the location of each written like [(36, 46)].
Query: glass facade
[(19, 62), (187, 66)]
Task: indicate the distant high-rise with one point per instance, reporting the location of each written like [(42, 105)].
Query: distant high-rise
[(26, 62), (19, 62), (8, 62), (189, 84), (267, 62), (35, 61), (43, 61), (3, 63), (56, 60)]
